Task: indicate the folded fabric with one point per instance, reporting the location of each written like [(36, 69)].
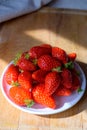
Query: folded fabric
[(70, 4), (13, 8)]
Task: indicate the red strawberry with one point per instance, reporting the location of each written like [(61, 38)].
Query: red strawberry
[(11, 74), (66, 78), (25, 80), (20, 96), (41, 98), (37, 51), (60, 54), (24, 61), (20, 56), (47, 63), (72, 56), (39, 75), (75, 81), (25, 64), (62, 91), (52, 82)]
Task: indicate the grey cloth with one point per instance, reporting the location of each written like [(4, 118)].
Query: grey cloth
[(13, 8), (70, 4)]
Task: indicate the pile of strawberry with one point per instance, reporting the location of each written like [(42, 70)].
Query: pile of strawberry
[(40, 74)]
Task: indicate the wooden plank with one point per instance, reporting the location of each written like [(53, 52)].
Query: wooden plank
[(66, 31)]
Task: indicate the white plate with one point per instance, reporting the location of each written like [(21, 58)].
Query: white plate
[(63, 102)]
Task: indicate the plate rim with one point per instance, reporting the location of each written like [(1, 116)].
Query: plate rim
[(31, 110)]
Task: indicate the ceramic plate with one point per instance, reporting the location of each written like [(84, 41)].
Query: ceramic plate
[(63, 102)]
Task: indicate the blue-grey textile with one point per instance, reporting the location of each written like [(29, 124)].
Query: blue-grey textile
[(13, 8)]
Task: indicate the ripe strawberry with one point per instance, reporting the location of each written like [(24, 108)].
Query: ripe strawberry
[(25, 64), (72, 56), (47, 63), (75, 81), (60, 54), (42, 98), (20, 96), (25, 80), (24, 61), (11, 74), (39, 75), (62, 91), (37, 51), (66, 78), (52, 82), (20, 56)]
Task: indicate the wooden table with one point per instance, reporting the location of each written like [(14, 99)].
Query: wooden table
[(68, 31)]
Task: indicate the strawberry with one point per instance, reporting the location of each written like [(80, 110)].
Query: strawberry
[(72, 56), (40, 97), (27, 65), (37, 51), (39, 75), (19, 56), (25, 80), (52, 82), (66, 78), (75, 81), (20, 96), (11, 74), (47, 63), (60, 54), (62, 91), (24, 61)]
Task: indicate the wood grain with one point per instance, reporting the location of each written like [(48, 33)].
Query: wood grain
[(64, 30)]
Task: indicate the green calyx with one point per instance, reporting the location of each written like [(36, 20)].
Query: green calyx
[(34, 61), (29, 103), (17, 57), (80, 90), (27, 56), (15, 84), (57, 69), (69, 65)]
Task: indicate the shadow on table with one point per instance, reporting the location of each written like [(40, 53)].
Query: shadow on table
[(17, 35)]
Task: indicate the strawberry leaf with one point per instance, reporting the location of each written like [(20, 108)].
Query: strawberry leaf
[(69, 65), (16, 84), (80, 90), (17, 57), (57, 69), (29, 103), (27, 56)]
